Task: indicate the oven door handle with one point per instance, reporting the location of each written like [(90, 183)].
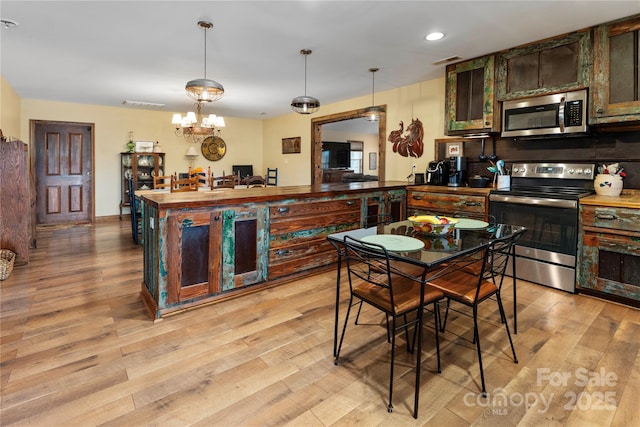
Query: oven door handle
[(538, 201)]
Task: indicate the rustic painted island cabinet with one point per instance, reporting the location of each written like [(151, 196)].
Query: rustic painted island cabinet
[(205, 246)]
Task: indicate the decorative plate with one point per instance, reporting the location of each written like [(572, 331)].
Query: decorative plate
[(470, 224), (395, 242), (213, 148)]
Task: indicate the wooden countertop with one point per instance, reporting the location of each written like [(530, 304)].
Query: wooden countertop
[(628, 199), (238, 195), (451, 190)]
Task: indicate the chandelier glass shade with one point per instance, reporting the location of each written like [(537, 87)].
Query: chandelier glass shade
[(305, 104), (204, 90), (196, 128), (373, 113)]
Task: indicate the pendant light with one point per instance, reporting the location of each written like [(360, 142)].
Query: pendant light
[(204, 90), (373, 112), (305, 104)]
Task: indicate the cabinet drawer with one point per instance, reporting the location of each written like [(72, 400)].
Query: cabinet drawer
[(446, 202), (303, 256), (612, 218), (314, 222), (313, 208)]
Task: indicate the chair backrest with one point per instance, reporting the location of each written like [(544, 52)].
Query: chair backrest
[(184, 184), (254, 181), (498, 256), (163, 181), (224, 181), (370, 263), (272, 177), (134, 207)]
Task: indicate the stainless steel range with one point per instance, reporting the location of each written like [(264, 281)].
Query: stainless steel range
[(544, 197)]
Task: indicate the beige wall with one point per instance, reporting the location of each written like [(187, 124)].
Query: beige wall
[(9, 110), (257, 142)]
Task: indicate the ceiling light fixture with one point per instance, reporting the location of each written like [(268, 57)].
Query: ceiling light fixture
[(373, 112), (196, 128), (193, 126), (204, 90), (8, 23), (305, 104), (434, 36)]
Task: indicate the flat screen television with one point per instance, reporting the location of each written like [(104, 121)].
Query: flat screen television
[(245, 170), (336, 154)]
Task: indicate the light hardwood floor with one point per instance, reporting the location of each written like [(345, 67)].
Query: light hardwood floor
[(79, 350)]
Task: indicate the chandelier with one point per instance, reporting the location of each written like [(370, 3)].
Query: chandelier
[(305, 104), (194, 127), (373, 112)]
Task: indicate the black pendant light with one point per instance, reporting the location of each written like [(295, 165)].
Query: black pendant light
[(305, 104)]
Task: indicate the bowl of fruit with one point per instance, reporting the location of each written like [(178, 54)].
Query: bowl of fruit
[(433, 224)]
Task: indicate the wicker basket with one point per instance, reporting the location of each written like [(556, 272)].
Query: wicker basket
[(7, 258)]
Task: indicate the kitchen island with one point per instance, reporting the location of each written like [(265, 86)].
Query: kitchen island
[(205, 246)]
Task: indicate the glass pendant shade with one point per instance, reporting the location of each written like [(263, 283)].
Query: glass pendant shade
[(373, 113), (305, 104), (204, 90)]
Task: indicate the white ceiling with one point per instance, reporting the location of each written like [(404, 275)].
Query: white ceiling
[(103, 52)]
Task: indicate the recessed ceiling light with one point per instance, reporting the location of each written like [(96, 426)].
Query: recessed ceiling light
[(434, 36), (8, 23), (142, 104)]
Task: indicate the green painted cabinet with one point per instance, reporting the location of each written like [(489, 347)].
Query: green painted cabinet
[(609, 253), (552, 65), (615, 91), (469, 97)]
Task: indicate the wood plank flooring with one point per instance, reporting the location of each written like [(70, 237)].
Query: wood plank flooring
[(77, 349)]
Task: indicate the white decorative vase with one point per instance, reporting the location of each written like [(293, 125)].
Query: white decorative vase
[(608, 185)]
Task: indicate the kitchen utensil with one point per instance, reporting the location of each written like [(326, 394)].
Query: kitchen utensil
[(482, 156), (493, 156), (478, 181), (500, 167)]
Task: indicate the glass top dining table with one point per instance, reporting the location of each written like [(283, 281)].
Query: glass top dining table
[(404, 243)]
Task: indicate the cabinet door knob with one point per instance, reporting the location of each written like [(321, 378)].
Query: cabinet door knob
[(283, 210), (216, 218), (472, 203), (283, 252), (417, 197), (350, 203)]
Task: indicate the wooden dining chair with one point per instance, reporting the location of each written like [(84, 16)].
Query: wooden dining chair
[(184, 184), (460, 283), (385, 285), (271, 178), (136, 213), (223, 181), (163, 181), (254, 181)]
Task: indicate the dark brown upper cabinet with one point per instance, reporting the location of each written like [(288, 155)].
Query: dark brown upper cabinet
[(552, 65), (615, 89), (469, 97)]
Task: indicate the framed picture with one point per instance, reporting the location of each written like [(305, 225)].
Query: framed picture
[(373, 161), (291, 145), (454, 149), (144, 146)]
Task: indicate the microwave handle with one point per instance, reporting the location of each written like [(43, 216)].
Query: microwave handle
[(561, 114)]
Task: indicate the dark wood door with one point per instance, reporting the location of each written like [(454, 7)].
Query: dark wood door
[(64, 172)]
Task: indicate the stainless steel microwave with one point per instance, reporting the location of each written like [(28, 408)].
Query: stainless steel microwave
[(556, 114)]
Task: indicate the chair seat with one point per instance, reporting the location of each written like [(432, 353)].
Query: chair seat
[(462, 286), (406, 295)]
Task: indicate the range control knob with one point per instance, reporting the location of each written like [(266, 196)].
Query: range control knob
[(587, 171), (572, 171), (579, 171)]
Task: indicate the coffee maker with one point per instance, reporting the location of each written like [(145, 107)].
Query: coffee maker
[(438, 172), (457, 171)]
